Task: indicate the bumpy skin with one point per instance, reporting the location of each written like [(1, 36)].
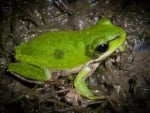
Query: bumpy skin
[(61, 50)]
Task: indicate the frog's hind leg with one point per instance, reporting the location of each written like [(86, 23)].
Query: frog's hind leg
[(80, 84), (29, 72)]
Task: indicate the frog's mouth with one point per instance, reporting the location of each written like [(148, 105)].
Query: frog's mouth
[(113, 45)]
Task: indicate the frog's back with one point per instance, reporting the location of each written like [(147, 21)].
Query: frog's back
[(55, 50)]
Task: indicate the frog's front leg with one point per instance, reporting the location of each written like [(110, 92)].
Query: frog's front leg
[(80, 84), (29, 72)]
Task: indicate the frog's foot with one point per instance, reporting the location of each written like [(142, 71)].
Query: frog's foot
[(73, 97), (97, 97)]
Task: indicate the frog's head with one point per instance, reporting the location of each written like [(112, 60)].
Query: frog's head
[(108, 38)]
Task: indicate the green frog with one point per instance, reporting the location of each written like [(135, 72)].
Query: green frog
[(68, 52)]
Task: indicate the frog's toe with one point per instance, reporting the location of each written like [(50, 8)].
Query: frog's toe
[(97, 97)]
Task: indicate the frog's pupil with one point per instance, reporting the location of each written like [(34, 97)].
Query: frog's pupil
[(102, 48)]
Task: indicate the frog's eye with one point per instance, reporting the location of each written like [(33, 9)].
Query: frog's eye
[(102, 48)]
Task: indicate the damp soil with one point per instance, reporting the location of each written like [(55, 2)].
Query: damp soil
[(123, 78)]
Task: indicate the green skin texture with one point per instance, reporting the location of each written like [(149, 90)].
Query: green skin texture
[(65, 50)]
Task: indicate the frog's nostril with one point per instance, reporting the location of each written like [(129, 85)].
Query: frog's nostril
[(102, 48)]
